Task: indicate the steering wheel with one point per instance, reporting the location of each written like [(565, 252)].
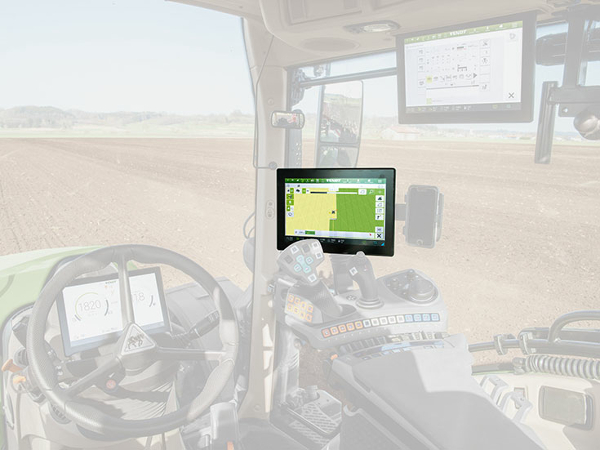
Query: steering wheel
[(134, 351)]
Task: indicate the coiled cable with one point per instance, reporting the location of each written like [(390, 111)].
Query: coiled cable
[(556, 365)]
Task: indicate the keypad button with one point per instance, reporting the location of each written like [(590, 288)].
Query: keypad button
[(309, 260), (297, 268)]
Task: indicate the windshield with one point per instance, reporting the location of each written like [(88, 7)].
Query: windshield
[(118, 124)]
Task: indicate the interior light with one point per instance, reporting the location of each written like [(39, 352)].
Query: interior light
[(373, 27)]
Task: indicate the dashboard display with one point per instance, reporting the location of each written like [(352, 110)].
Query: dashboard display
[(347, 210), (91, 310), (479, 72)]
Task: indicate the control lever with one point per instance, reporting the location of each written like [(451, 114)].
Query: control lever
[(205, 326), (201, 328), (361, 271)]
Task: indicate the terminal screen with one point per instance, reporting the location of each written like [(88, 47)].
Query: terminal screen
[(343, 211), (476, 72)]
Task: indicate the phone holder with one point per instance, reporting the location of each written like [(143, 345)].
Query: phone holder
[(421, 214)]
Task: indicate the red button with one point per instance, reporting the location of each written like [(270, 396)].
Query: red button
[(326, 333)]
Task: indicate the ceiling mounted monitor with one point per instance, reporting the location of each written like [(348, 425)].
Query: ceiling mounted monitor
[(480, 72)]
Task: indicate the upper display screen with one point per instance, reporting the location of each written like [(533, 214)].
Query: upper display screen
[(344, 209), (473, 73), (90, 309)]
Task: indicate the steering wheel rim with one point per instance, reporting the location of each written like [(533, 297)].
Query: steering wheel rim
[(90, 417)]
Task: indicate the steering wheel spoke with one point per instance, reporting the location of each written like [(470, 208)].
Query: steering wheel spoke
[(98, 374), (125, 291), (188, 354)]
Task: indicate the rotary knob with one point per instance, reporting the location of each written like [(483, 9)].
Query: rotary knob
[(421, 290)]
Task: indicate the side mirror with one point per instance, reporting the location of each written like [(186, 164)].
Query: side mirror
[(423, 214), (340, 124)]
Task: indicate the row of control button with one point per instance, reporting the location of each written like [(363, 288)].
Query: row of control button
[(379, 341), (379, 321), (397, 348)]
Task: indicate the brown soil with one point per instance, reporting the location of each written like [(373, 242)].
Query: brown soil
[(520, 243)]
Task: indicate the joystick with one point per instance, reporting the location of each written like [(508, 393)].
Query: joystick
[(361, 271)]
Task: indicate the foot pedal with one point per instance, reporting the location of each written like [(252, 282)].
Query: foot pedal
[(313, 424)]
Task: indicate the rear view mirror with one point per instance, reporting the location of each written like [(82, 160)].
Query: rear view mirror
[(289, 120), (424, 209), (340, 124), (337, 157)]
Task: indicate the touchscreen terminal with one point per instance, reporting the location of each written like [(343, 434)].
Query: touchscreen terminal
[(347, 210), (478, 72)]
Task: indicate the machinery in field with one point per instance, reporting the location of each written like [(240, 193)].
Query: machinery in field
[(98, 355)]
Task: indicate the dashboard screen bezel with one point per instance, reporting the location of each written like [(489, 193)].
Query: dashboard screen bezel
[(389, 174), (70, 348), (523, 115)]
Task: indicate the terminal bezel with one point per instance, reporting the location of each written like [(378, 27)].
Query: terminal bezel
[(522, 115), (331, 245)]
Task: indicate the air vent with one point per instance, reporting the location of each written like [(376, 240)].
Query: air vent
[(297, 11), (303, 11), (562, 3), (383, 4)]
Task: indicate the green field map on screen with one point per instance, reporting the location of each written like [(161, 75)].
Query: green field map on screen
[(348, 209)]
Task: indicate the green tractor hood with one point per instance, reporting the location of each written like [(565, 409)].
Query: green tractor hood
[(23, 275)]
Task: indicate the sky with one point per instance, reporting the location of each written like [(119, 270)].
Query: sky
[(122, 55), (151, 55)]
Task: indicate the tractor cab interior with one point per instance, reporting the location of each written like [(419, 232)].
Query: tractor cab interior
[(98, 354)]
